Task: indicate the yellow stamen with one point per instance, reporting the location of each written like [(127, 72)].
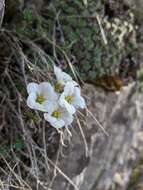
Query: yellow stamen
[(56, 114), (40, 99), (58, 87), (69, 99)]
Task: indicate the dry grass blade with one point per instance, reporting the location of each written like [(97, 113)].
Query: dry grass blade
[(65, 55), (84, 139), (21, 69), (5, 186), (63, 174), (19, 179), (101, 29)]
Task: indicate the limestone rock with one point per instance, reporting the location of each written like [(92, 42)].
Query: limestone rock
[(2, 6), (110, 158)]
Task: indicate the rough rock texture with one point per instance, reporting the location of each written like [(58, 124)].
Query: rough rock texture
[(2, 5), (110, 158)]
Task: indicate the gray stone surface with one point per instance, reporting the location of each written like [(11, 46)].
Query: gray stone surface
[(110, 158), (2, 6)]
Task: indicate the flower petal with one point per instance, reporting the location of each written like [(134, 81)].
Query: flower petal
[(45, 107), (79, 102), (68, 118), (58, 72), (66, 77), (49, 118), (31, 100), (61, 76), (49, 106), (47, 90), (69, 88), (32, 87), (57, 123), (77, 91), (69, 107), (74, 83)]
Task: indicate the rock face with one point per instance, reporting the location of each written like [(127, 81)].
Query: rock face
[(110, 158), (2, 5)]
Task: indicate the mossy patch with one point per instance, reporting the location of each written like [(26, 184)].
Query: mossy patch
[(135, 182), (83, 37), (17, 145), (77, 31)]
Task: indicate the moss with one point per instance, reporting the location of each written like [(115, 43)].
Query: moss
[(140, 79), (19, 87), (135, 181), (81, 28), (17, 145), (30, 116), (29, 24), (82, 35)]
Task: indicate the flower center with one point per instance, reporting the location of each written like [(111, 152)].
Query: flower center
[(40, 99), (56, 114), (58, 87), (69, 99)]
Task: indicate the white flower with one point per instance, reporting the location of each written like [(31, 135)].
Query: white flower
[(58, 117), (61, 76), (41, 96), (71, 98), (62, 79)]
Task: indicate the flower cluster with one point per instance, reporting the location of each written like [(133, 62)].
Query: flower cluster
[(58, 102)]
